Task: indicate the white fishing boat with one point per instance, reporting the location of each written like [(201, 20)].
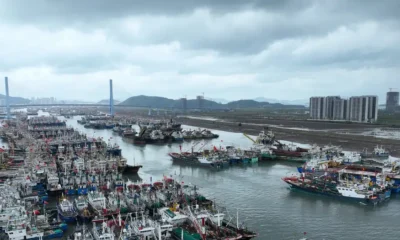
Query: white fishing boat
[(265, 138), (20, 231), (352, 157), (102, 232), (177, 136), (204, 160), (97, 200), (80, 203), (157, 136), (82, 233), (379, 153), (143, 227), (174, 218)]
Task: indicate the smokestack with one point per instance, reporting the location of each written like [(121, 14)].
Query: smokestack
[(7, 99), (111, 99)]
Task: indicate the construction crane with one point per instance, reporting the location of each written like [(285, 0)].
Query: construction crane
[(254, 141)]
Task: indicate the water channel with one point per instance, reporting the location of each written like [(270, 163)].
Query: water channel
[(263, 200)]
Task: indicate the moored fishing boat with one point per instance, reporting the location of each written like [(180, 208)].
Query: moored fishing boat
[(67, 211), (103, 232), (82, 207), (378, 153), (174, 218), (53, 234), (133, 169), (329, 187), (177, 136)]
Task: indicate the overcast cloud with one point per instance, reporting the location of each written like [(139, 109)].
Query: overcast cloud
[(229, 49)]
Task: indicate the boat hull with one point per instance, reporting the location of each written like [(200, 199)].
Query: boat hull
[(68, 217), (132, 169), (374, 156), (70, 192), (268, 156), (316, 191), (57, 192), (82, 191), (285, 153)]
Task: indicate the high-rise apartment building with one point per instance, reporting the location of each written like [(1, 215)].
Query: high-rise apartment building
[(317, 107), (357, 109), (340, 109), (329, 102), (392, 101)]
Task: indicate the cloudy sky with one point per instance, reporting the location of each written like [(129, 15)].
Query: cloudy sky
[(231, 49)]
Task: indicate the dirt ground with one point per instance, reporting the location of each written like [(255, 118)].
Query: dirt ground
[(301, 131), (348, 142)]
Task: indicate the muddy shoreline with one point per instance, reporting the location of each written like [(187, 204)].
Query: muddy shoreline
[(302, 131), (349, 142)]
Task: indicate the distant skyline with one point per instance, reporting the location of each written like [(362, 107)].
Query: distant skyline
[(278, 49)]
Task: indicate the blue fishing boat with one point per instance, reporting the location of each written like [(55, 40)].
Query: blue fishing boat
[(54, 226), (234, 160), (82, 189), (70, 190), (44, 196), (53, 234), (395, 184), (38, 187), (395, 188), (66, 211)]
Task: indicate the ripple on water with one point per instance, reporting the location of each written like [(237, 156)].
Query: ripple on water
[(265, 203)]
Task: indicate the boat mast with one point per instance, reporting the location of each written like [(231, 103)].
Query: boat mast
[(237, 218)]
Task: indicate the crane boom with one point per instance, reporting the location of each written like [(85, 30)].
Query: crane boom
[(249, 137)]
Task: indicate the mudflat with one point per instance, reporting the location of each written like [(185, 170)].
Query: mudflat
[(346, 135)]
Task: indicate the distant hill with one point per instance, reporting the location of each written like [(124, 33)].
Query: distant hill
[(245, 104), (74, 102), (218, 100), (15, 100), (304, 102), (107, 101), (149, 101), (161, 102)]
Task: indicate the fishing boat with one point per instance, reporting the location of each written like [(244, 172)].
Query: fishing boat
[(328, 187), (103, 232), (18, 231), (114, 203), (207, 134), (53, 184), (109, 125), (143, 228), (67, 211), (378, 153), (53, 234), (82, 233), (82, 207), (96, 200), (156, 136), (82, 189), (177, 136), (174, 218), (128, 133), (117, 129), (132, 169), (265, 137)]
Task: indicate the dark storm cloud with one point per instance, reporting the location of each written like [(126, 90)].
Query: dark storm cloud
[(274, 20), (231, 44), (73, 10)]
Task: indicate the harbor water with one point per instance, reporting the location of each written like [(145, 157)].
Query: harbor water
[(256, 191)]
